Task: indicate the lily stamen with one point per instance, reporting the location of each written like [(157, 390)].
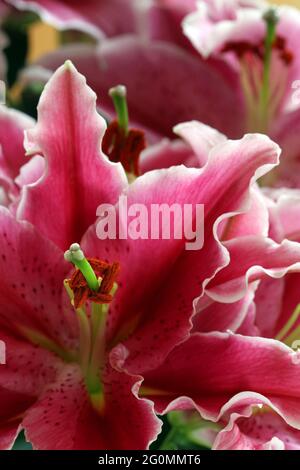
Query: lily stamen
[(282, 335), (76, 256), (120, 143), (118, 95), (94, 281)]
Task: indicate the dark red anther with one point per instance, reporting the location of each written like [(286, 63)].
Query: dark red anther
[(240, 48), (82, 292), (124, 148)]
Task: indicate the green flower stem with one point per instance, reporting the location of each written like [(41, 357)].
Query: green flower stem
[(97, 357), (168, 442)]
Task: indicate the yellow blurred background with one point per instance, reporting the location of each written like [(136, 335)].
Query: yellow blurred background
[(44, 38), (288, 2)]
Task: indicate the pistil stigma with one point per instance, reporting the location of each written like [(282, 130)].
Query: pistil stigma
[(118, 95)]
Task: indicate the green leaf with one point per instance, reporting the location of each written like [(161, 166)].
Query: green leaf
[(21, 443)]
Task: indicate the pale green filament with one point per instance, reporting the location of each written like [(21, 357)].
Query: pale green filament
[(99, 312), (294, 336), (84, 331), (35, 337), (271, 20), (118, 95), (98, 325)]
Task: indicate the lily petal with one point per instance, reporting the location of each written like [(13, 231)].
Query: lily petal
[(219, 316), (78, 176), (257, 257), (23, 377), (167, 153), (96, 17), (258, 371), (31, 292), (66, 401)]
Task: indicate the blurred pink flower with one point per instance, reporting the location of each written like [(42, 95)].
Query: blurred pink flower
[(233, 85), (239, 36)]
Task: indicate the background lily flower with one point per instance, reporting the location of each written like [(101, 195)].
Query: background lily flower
[(231, 87), (172, 100), (240, 37), (155, 19), (258, 428)]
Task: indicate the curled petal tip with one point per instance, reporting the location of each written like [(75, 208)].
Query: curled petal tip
[(69, 64)]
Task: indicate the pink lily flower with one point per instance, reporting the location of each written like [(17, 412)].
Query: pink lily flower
[(54, 358), (172, 101), (155, 19)]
